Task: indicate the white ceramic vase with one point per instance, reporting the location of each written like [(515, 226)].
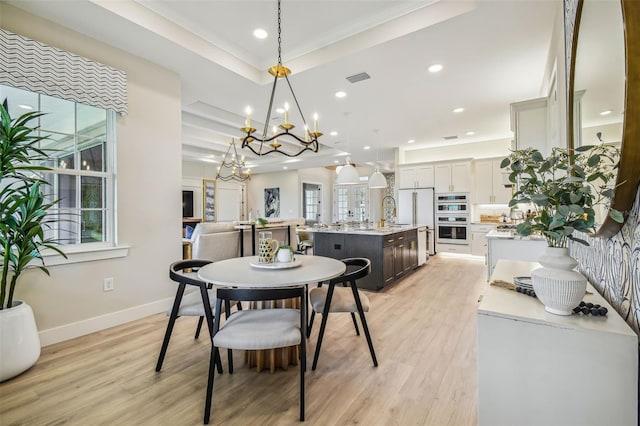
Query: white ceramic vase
[(557, 285), (19, 340)]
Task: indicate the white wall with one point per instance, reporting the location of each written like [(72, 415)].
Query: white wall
[(290, 192), (71, 302)]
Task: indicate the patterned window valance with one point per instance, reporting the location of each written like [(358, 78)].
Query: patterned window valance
[(34, 66)]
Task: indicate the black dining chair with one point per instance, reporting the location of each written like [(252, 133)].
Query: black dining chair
[(199, 303), (257, 329), (342, 295)]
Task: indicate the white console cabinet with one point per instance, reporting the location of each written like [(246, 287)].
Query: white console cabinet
[(512, 248), (537, 368)]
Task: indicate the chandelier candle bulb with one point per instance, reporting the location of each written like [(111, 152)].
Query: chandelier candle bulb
[(286, 113), (247, 122), (315, 123)]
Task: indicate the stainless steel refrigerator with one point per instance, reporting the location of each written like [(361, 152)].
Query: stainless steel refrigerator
[(416, 207)]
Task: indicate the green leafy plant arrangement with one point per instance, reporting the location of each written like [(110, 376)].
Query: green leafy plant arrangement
[(261, 222), (23, 206), (563, 189)]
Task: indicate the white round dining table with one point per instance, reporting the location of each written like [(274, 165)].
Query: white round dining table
[(239, 272)]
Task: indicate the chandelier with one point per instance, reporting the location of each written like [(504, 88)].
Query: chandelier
[(294, 145), (233, 166)]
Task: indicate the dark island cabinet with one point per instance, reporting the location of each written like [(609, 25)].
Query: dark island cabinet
[(392, 255)]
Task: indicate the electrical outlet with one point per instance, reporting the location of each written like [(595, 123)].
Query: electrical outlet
[(107, 284)]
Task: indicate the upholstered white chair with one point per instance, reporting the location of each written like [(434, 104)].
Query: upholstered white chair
[(342, 295), (256, 329), (304, 241)]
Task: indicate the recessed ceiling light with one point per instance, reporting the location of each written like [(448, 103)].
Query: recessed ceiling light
[(260, 33), (411, 141), (334, 133), (458, 109), (335, 161), (470, 133), (284, 167), (367, 147), (24, 106), (435, 68), (606, 112), (341, 94)]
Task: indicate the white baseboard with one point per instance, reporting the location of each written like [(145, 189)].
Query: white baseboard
[(102, 322)]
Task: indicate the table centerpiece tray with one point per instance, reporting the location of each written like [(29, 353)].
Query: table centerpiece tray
[(277, 265)]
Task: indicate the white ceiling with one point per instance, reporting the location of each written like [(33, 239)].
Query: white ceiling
[(494, 52)]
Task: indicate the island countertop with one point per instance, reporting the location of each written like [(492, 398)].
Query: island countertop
[(511, 234), (387, 230)]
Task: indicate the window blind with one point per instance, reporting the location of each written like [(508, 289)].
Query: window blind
[(30, 65)]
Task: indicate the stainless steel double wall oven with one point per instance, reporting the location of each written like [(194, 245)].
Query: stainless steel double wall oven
[(452, 218)]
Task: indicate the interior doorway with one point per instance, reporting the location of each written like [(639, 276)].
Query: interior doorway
[(311, 203)]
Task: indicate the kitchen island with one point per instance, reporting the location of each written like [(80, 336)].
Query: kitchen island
[(393, 251)]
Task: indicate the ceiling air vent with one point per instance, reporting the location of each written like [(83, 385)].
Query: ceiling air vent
[(358, 77), (448, 138)]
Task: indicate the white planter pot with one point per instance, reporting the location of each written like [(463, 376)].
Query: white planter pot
[(284, 256), (19, 340), (558, 286)]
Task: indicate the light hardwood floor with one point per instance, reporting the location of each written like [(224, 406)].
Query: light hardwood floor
[(424, 333)]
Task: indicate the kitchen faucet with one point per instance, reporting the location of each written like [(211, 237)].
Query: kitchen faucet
[(385, 207)]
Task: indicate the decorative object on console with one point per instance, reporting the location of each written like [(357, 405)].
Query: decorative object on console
[(236, 163), (309, 142), (563, 190), (25, 230)]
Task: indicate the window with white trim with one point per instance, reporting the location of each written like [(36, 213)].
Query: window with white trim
[(81, 149)]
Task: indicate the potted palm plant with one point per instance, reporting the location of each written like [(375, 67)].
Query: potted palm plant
[(564, 190), (23, 225)]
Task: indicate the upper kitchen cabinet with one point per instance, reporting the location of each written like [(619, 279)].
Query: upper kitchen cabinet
[(488, 182), (529, 123), (453, 177), (416, 177)]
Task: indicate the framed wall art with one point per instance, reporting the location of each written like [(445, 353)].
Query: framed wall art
[(272, 202), (208, 200)]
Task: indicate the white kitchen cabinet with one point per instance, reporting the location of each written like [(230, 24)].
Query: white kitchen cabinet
[(453, 248), (530, 124), (488, 182), (452, 177), (537, 368), (479, 244), (416, 176)]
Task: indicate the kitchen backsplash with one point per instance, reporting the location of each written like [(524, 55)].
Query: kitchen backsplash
[(486, 210), (612, 266)]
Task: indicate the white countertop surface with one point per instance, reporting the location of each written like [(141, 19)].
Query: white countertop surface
[(510, 234), (509, 304), (371, 231)]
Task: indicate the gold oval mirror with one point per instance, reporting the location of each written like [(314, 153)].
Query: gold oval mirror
[(605, 55)]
